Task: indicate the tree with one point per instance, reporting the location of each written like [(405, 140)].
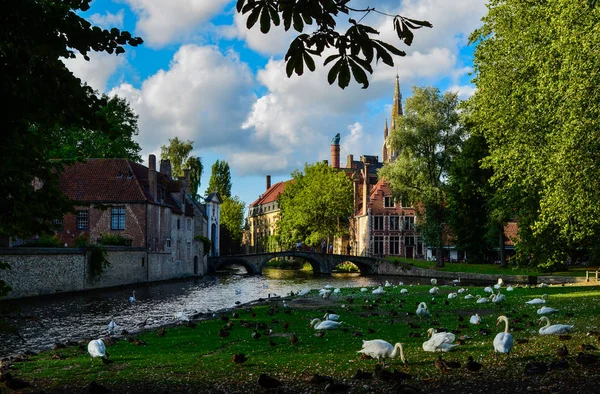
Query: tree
[(356, 49), (178, 153), (41, 94), (316, 205), (220, 179), (75, 144), (427, 138), (537, 106), (232, 222)]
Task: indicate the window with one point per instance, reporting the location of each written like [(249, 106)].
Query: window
[(178, 224), (388, 202), (394, 223), (82, 220), (188, 250), (168, 243), (409, 241), (394, 245), (378, 223), (378, 245), (117, 218), (409, 222)]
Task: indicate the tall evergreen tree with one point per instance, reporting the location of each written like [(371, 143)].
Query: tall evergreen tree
[(427, 138), (220, 179)]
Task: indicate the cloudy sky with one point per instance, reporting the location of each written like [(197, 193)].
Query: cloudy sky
[(202, 76)]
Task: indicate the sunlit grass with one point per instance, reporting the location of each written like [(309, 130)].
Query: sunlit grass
[(197, 357)]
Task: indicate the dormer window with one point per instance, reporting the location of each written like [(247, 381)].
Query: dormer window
[(388, 202)]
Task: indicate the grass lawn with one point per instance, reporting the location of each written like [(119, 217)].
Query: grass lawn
[(199, 360)]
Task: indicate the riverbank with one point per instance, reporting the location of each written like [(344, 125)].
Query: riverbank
[(200, 358)]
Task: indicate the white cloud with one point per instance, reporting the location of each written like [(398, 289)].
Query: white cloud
[(108, 20), (253, 163), (161, 22), (463, 91), (204, 96), (97, 70)]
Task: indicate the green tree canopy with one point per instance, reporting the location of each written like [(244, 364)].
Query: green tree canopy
[(79, 144), (536, 71), (354, 51), (232, 217), (316, 205), (220, 179), (178, 153), (427, 138), (41, 95)]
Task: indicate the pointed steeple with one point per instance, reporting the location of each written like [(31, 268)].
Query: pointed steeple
[(397, 107), (385, 131)]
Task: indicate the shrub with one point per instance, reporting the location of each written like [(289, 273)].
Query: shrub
[(97, 261), (205, 241), (114, 239), (81, 240)]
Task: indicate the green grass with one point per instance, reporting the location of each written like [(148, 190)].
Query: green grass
[(198, 358)]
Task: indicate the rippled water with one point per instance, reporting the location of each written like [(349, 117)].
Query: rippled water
[(42, 322)]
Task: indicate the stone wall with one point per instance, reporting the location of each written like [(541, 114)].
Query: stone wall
[(42, 271)]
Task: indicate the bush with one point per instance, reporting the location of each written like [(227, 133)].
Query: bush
[(97, 261), (205, 241), (81, 240), (114, 239)]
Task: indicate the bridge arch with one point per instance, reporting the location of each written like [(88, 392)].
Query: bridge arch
[(237, 260)]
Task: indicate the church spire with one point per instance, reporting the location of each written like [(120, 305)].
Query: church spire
[(385, 131), (397, 107)]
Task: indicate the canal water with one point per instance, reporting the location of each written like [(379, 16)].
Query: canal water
[(42, 322)]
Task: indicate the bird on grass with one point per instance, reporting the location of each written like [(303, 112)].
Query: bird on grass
[(331, 316), (317, 324), (586, 358), (294, 339), (161, 332), (503, 342), (537, 301), (380, 350), (239, 358), (13, 383), (554, 328), (475, 319), (562, 352), (132, 298), (422, 310), (112, 327), (473, 365), (439, 341), (96, 349)]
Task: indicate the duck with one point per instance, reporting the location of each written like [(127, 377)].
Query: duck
[(381, 350), (239, 358), (537, 301), (96, 349), (475, 319), (562, 352), (503, 342), (546, 310), (473, 365), (439, 341), (553, 329), (331, 316), (317, 324), (422, 310)]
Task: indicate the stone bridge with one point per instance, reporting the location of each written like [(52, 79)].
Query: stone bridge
[(322, 263)]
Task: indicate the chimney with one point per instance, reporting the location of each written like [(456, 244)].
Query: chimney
[(186, 179), (152, 176), (268, 182), (335, 155), (165, 167), (350, 161)]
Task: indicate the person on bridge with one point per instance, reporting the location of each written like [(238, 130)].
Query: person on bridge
[(323, 246), (330, 248)]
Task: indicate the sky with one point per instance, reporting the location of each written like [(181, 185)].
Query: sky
[(202, 76)]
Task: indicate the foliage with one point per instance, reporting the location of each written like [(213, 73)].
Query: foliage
[(207, 244), (114, 240), (4, 288), (194, 164), (220, 179), (427, 138), (537, 105), (81, 240), (335, 353), (316, 205), (356, 49), (294, 264), (178, 153), (232, 216), (347, 266), (470, 199), (76, 144), (97, 261), (41, 95), (43, 241)]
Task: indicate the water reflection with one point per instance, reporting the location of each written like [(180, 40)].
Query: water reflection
[(45, 321)]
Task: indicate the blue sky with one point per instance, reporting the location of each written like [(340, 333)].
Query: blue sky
[(202, 76)]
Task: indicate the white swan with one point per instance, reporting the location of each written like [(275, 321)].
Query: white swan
[(181, 316), (303, 292), (452, 295), (488, 289), (96, 349), (553, 329), (325, 293), (403, 291), (112, 327), (439, 341), (363, 289), (132, 298), (461, 290), (378, 290), (325, 325), (482, 300), (422, 310), (336, 291), (469, 297), (499, 298), (475, 319), (545, 310), (509, 288), (331, 316), (537, 301), (434, 281), (387, 283), (380, 349), (434, 290), (503, 342)]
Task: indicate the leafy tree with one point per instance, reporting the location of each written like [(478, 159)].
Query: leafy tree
[(79, 144), (178, 153), (316, 205), (355, 50), (232, 222), (428, 137), (41, 95), (220, 179), (537, 106)]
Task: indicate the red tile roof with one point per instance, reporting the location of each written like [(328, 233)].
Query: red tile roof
[(271, 194)]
